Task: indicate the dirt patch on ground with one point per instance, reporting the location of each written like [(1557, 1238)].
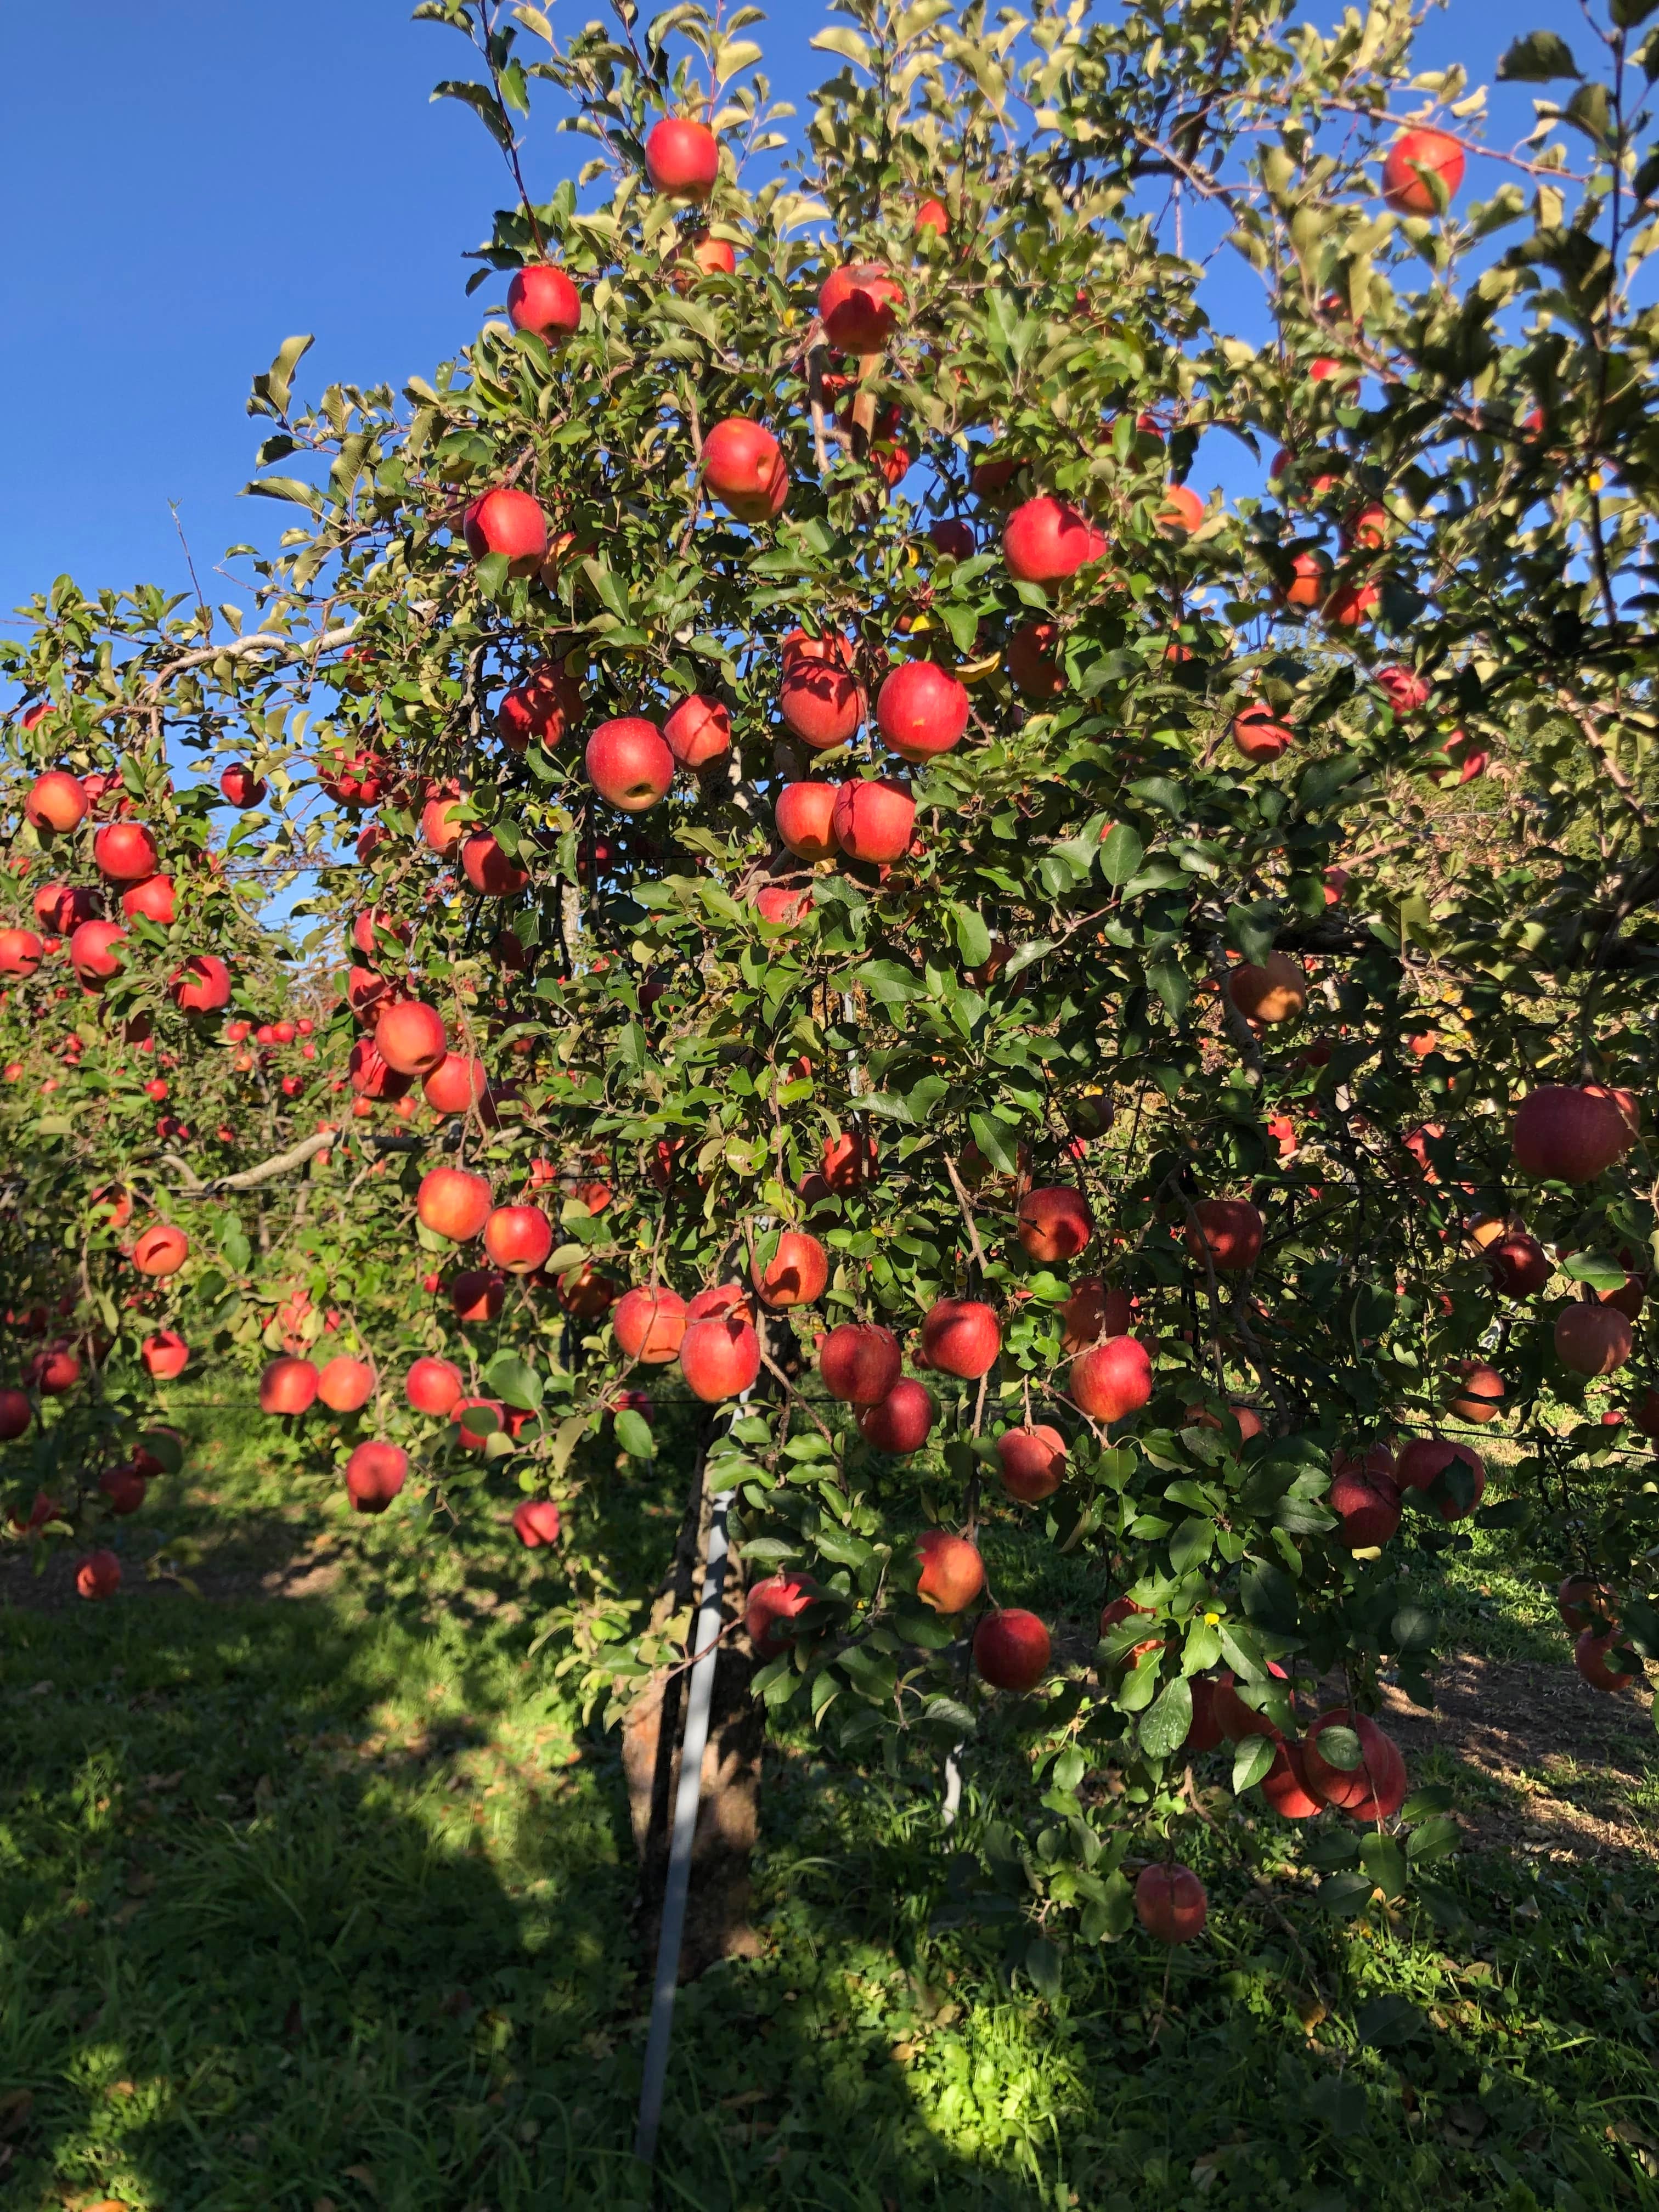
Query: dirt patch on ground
[(1558, 1768)]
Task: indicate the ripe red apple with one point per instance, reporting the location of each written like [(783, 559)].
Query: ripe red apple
[(1364, 1495), (453, 1203), (410, 1037), (56, 800), (860, 1362), (98, 1576), (509, 521), (241, 785), (123, 1487), (345, 1385), (1478, 1394), (536, 1522), (473, 1437), (1055, 1224), (125, 851), (650, 1324), (682, 158), (1568, 1132), (53, 1370), (1257, 735), (586, 1294), (1010, 1649), (165, 1354), (456, 1083), (1114, 1380), (1591, 1656), (771, 1605), (1403, 688), (517, 1238), (1227, 1229), (1275, 991), (1034, 669), (201, 986), (92, 950), (900, 1422), (1033, 1461), (154, 898), (872, 820), (20, 952), (849, 1162), (60, 907), (1421, 171), (162, 1250), (951, 540), (921, 710), (820, 698), (720, 1358), (16, 1414), (952, 1572), (859, 306), (1518, 1263), (1092, 1311), (698, 730), (375, 1473), (711, 256), (1285, 1785), (806, 817), (1181, 512), (743, 468), (1046, 540), (541, 298), (1593, 1339), (1171, 1903), (369, 1075), (488, 869), (1427, 1457), (1585, 1603), (932, 215), (1373, 1790), (477, 1294), (287, 1386), (432, 1386), (443, 827), (960, 1337), (796, 1273), (629, 762), (546, 704)]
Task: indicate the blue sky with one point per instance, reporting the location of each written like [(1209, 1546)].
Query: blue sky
[(187, 182)]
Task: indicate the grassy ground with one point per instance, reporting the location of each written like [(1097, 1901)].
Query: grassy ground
[(322, 1906)]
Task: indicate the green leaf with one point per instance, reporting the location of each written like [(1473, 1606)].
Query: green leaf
[(1536, 58), (973, 937), (847, 43), (889, 982), (1120, 854), (162, 1445), (996, 1141), (1171, 981), (276, 385), (1434, 1840), (634, 1435), (1251, 1761), (1165, 1726), (490, 573), (484, 104), (1113, 1915), (1341, 1748), (1387, 2021), (1627, 13), (1339, 2104), (288, 487), (1384, 1860), (1189, 1547), (515, 1382)]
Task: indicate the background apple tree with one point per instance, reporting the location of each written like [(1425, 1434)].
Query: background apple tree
[(812, 816)]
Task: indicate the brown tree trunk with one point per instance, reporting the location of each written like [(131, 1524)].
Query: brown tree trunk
[(717, 1924)]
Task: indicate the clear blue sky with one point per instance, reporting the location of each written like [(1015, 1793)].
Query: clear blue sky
[(187, 182)]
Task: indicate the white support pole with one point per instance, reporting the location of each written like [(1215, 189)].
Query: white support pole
[(705, 1643)]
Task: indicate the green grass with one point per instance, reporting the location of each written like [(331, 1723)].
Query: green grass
[(324, 1902)]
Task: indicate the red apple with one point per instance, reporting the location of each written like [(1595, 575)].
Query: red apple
[(1276, 991), (1427, 1457), (443, 827), (1519, 1264), (960, 1337), (872, 820), (98, 1576), (1593, 1339), (796, 1273), (92, 950), (54, 1371), (1046, 540), (698, 730), (1092, 1311), (806, 818), (201, 986), (473, 1437), (1567, 1133), (1228, 1231), (859, 306), (432, 1386), (682, 158), (1171, 1904), (921, 710), (1590, 1656), (629, 762), (508, 521), (410, 1037), (517, 1238), (1364, 1495), (455, 1084), (165, 1354), (952, 540), (1421, 171), (125, 851), (345, 1385), (287, 1386), (932, 215), (900, 1422), (720, 1358), (1373, 1790), (1585, 1603), (541, 298), (536, 1522), (1114, 1380), (154, 898), (1478, 1394), (241, 785), (860, 1362), (743, 468), (849, 1162), (650, 1324), (488, 869), (124, 1488), (771, 1605), (545, 705), (20, 952), (16, 1414), (586, 1294), (1033, 1463), (1010, 1649), (56, 800), (1055, 1224), (453, 1203), (1285, 1785), (162, 1250), (952, 1572), (1181, 512), (820, 698), (711, 256), (477, 1294), (1034, 669), (1257, 735), (375, 1473), (1403, 688)]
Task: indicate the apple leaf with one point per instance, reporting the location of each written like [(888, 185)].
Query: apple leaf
[(1251, 1761), (1538, 57), (634, 1435)]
